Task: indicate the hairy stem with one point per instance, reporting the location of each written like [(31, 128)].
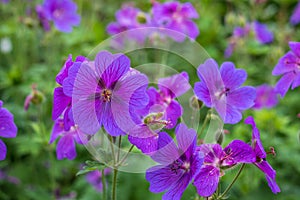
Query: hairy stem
[(207, 117), (103, 185), (114, 186)]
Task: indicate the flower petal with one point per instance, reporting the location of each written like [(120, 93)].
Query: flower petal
[(8, 128), (287, 63), (202, 93), (176, 190), (173, 112), (296, 82), (60, 102), (295, 47), (111, 67), (284, 83), (232, 77), (3, 150), (233, 115), (242, 98), (57, 130), (273, 185), (66, 148), (186, 139), (206, 182), (239, 152)]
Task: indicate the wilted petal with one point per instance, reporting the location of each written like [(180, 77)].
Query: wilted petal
[(206, 182)]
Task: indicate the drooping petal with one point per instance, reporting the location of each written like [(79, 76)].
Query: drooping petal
[(8, 129), (3, 150), (266, 168), (273, 185), (232, 78), (111, 67), (177, 84), (242, 98), (147, 145), (284, 83), (161, 178), (66, 148), (167, 151), (206, 182), (186, 139), (239, 152), (202, 93), (60, 102)]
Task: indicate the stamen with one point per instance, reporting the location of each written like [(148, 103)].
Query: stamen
[(272, 151)]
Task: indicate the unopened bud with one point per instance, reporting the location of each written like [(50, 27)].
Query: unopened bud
[(36, 97), (220, 137), (195, 103)]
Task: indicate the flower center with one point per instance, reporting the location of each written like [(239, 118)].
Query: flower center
[(219, 94), (58, 13), (178, 165), (106, 95)]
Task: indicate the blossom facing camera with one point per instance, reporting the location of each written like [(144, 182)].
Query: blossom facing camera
[(289, 67), (261, 155), (8, 129), (178, 164), (105, 92), (221, 89), (61, 12)]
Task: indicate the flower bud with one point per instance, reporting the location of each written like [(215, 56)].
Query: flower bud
[(195, 103)]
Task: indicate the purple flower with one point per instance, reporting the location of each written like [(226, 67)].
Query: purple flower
[(179, 164), (295, 18), (66, 145), (217, 160), (8, 128), (222, 90), (289, 67), (176, 16), (162, 111), (95, 178), (61, 12), (42, 17), (261, 155), (266, 97), (105, 92), (262, 33), (62, 103)]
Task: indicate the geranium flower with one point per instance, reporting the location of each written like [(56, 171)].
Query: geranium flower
[(61, 12), (105, 92), (266, 97), (222, 90), (289, 67), (179, 164), (216, 160), (176, 16), (295, 18), (8, 128), (262, 33), (261, 155)]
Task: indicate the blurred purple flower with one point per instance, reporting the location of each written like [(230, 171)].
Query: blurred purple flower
[(222, 90), (11, 179), (179, 164), (266, 97), (62, 103), (8, 128), (176, 16), (295, 18), (216, 160), (61, 12), (261, 155), (162, 111), (289, 67), (262, 33), (35, 97), (105, 92), (66, 145), (95, 178), (42, 17)]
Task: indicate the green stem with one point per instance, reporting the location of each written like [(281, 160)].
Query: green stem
[(207, 117), (125, 157), (233, 181), (119, 149), (103, 186), (114, 186), (112, 149)]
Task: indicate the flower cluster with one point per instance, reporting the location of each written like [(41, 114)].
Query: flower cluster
[(61, 12), (262, 34), (8, 128), (169, 15)]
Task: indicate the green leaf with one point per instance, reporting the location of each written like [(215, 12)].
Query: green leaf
[(91, 165)]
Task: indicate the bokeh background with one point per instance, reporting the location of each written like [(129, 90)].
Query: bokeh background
[(31, 170)]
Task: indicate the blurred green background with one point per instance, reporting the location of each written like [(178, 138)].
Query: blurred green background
[(31, 170)]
